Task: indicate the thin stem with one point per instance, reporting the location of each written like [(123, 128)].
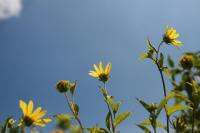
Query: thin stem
[(158, 50), (154, 129), (193, 116), (111, 116), (163, 82), (75, 116)]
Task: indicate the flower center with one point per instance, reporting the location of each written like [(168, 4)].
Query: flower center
[(28, 121), (167, 39), (103, 77)]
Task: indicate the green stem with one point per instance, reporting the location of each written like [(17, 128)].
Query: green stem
[(111, 116), (193, 115), (75, 116), (154, 129), (23, 129), (163, 82)]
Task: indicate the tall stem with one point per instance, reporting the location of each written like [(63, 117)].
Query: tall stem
[(75, 116), (111, 114), (163, 82), (154, 129), (193, 115)]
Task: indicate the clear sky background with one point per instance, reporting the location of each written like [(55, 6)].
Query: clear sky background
[(60, 39)]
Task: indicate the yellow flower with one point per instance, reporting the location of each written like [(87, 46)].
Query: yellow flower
[(170, 36), (31, 117), (101, 73)]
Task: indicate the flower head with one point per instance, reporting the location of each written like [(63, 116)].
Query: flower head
[(170, 36), (101, 73), (63, 86), (31, 117), (187, 61)]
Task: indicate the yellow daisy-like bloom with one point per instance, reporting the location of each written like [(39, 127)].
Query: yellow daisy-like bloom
[(31, 117), (101, 73), (170, 36)]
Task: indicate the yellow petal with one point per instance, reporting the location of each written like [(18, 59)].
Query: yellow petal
[(176, 43), (96, 69), (108, 68), (166, 29), (101, 67), (174, 36), (46, 120), (40, 115), (23, 107), (42, 122), (93, 74), (39, 124), (36, 112), (30, 107)]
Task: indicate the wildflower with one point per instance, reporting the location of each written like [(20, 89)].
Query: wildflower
[(31, 117), (101, 73), (63, 86), (170, 36), (187, 61)]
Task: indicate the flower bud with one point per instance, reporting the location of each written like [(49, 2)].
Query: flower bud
[(153, 106), (11, 122), (187, 61), (63, 86)]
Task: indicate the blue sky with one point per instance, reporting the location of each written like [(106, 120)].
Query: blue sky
[(61, 39)]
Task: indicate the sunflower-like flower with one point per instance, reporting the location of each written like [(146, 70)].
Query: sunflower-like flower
[(31, 117), (170, 36), (101, 73)]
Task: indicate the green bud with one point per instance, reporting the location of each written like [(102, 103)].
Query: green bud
[(63, 86), (187, 61)]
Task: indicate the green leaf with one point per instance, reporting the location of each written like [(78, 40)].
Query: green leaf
[(147, 122), (146, 130), (167, 71), (161, 60), (121, 118), (150, 45), (143, 56), (108, 118), (117, 107), (164, 101), (170, 62), (73, 87), (111, 103), (75, 108), (145, 105), (175, 108), (172, 94)]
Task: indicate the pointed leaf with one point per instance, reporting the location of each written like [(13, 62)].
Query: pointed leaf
[(143, 56), (108, 118), (121, 118), (170, 62), (145, 129), (175, 108), (144, 104)]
